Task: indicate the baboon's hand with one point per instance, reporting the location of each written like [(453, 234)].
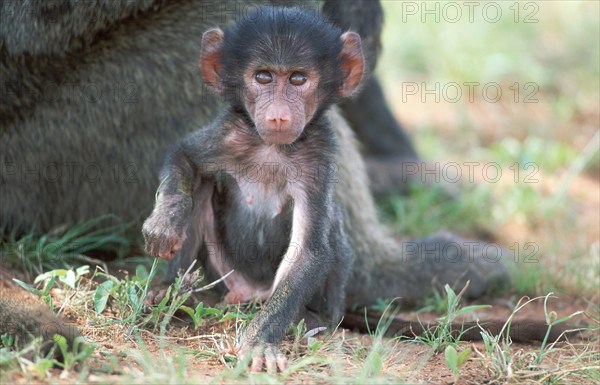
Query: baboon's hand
[(262, 354), (164, 230)]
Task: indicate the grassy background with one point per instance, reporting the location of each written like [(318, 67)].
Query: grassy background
[(542, 131)]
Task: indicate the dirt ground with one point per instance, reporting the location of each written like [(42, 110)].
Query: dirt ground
[(404, 361)]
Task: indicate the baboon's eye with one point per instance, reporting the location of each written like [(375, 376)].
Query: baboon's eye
[(263, 77), (297, 79)]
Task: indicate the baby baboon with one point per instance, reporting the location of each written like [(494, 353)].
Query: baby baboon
[(275, 189)]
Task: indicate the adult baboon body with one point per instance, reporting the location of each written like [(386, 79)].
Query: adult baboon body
[(91, 96)]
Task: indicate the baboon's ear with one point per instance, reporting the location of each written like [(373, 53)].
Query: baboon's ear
[(353, 62), (210, 59)]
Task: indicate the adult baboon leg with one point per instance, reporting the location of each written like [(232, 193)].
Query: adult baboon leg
[(387, 268), (391, 159), (383, 141), (412, 270)]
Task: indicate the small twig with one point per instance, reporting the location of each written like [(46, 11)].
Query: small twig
[(314, 332), (199, 337), (65, 303), (213, 284), (462, 292), (188, 270)]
